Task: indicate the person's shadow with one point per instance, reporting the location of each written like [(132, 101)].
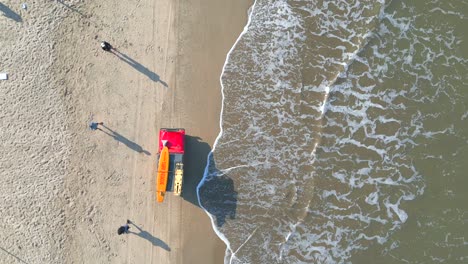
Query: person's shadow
[(154, 240), (137, 66), (217, 193), (71, 8), (13, 255), (124, 140), (10, 13)]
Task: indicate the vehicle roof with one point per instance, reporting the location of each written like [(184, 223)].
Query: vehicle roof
[(175, 138)]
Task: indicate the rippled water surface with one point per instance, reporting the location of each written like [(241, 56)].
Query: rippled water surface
[(344, 135)]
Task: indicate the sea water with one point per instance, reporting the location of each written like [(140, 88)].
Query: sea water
[(344, 132)]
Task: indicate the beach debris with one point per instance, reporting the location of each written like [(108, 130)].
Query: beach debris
[(24, 6), (3, 76)]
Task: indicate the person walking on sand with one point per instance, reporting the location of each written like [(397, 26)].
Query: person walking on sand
[(124, 228), (106, 46), (94, 125)]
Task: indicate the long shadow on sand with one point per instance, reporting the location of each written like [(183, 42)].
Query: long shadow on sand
[(217, 193), (124, 140), (154, 240), (137, 66), (10, 13), (14, 256), (72, 8)]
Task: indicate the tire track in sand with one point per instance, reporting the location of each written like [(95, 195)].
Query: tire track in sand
[(141, 80), (144, 122)]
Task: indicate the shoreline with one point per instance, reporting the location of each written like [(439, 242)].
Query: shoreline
[(244, 30), (166, 74), (215, 26)]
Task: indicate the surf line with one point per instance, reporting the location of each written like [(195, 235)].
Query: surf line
[(217, 232)]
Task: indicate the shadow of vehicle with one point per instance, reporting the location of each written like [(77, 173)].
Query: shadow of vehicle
[(217, 194), (196, 152)]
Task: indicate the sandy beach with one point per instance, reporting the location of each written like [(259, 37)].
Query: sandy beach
[(66, 189)]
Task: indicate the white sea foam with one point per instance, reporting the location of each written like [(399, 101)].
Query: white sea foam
[(221, 235), (317, 121)]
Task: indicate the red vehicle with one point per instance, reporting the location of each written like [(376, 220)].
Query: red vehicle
[(174, 140)]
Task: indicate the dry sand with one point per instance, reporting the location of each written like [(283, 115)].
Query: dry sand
[(66, 189)]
